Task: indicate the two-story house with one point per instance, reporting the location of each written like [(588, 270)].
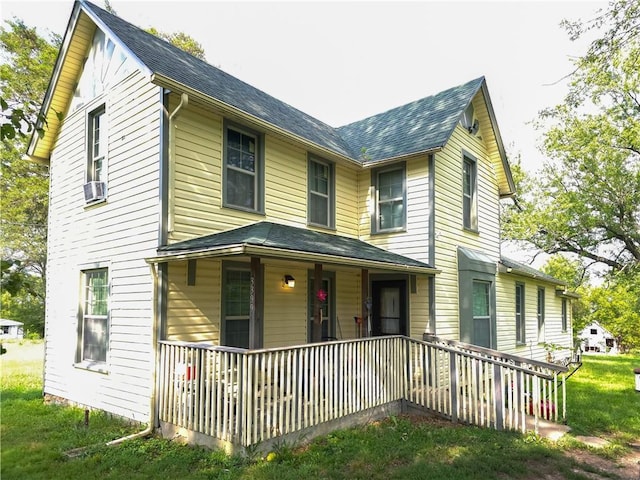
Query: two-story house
[(187, 205)]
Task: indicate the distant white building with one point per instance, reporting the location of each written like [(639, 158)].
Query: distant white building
[(594, 338), (10, 329)]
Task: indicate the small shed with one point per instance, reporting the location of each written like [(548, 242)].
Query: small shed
[(10, 329), (594, 338)]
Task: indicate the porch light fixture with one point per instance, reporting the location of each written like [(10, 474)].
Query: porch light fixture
[(289, 281)]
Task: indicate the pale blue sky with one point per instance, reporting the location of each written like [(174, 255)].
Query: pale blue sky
[(343, 61)]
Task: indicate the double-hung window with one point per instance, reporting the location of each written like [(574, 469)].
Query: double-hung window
[(94, 328), (96, 167), (321, 193), (391, 199), (520, 316), (469, 193), (243, 169), (540, 313)]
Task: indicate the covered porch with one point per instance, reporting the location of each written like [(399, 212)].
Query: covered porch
[(268, 285)]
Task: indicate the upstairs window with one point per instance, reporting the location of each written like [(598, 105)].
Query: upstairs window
[(321, 193), (390, 191), (243, 170), (96, 171), (469, 193), (94, 327), (95, 188)]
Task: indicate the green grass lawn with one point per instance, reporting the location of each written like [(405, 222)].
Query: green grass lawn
[(35, 437)]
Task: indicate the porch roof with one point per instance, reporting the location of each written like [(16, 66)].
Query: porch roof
[(267, 239)]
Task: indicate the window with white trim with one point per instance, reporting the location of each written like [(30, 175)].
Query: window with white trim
[(321, 193), (94, 328), (243, 169), (390, 201), (565, 314), (96, 166), (469, 193)]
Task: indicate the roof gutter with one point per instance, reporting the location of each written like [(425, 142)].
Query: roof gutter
[(167, 82), (261, 251)]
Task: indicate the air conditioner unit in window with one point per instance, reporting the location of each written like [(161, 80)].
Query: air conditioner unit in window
[(94, 191)]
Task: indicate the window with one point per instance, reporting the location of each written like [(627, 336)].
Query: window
[(243, 170), (593, 331), (390, 190), (96, 166), (94, 334), (236, 303), (564, 314), (481, 313), (321, 188), (540, 314), (520, 318), (469, 194)]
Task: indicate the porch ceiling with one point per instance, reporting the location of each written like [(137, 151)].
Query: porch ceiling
[(266, 239)]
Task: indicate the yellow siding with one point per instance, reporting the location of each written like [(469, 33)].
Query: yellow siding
[(349, 303), (533, 348), (449, 230), (414, 242), (193, 311), (118, 233), (419, 308), (196, 172), (285, 309)]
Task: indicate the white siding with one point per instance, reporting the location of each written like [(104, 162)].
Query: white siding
[(119, 233)]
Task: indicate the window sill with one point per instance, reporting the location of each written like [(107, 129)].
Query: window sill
[(389, 231), (95, 203), (475, 231), (97, 367)]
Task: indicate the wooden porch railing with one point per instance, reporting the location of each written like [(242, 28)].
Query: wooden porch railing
[(248, 396)]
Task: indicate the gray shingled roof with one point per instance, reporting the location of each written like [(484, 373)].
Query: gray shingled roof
[(163, 58), (283, 237), (416, 127), (419, 126), (528, 271)]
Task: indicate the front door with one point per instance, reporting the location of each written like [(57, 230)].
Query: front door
[(389, 315)]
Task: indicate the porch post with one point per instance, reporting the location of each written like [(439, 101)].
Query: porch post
[(253, 304), (317, 313), (364, 294)]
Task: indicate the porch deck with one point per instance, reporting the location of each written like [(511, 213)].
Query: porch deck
[(240, 398)]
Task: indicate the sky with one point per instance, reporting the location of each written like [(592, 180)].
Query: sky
[(345, 61)]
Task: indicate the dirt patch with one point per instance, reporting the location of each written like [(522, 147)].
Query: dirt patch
[(624, 468)]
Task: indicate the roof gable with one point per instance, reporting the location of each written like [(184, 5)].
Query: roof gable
[(168, 61), (420, 126)]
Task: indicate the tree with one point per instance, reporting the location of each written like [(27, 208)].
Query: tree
[(182, 41), (28, 61), (587, 197), (616, 306)]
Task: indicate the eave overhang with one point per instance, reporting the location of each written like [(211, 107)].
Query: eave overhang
[(294, 255), (239, 114)]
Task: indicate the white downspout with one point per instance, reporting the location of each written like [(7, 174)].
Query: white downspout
[(184, 101), (154, 369)]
